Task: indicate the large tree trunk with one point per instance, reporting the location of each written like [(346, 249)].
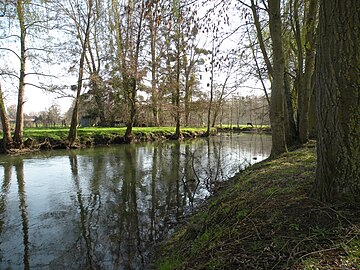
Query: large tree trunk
[(7, 139), (19, 125), (277, 85), (338, 100)]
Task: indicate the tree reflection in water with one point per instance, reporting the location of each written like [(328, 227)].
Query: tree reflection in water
[(19, 168), (105, 208)]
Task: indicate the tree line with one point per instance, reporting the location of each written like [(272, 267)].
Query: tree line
[(304, 51)]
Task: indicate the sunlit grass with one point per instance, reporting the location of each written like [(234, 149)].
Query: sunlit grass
[(263, 215), (62, 133), (241, 126)]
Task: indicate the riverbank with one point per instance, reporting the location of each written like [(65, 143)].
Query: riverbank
[(264, 218), (36, 139)]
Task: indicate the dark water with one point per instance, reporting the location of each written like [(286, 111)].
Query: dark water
[(104, 208)]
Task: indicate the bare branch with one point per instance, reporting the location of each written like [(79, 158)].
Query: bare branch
[(7, 49), (42, 74), (2, 73), (6, 37), (38, 49)]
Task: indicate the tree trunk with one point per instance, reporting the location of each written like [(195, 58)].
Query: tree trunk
[(132, 84), (178, 70), (187, 97), (291, 132), (338, 100), (207, 133), (19, 125), (7, 139), (277, 85), (154, 65), (312, 112), (134, 64), (304, 93), (177, 94), (74, 119), (261, 38)]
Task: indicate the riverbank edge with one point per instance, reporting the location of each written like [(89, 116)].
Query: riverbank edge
[(56, 139), (264, 218)]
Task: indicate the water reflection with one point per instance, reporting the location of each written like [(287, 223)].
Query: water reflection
[(19, 168), (105, 208)]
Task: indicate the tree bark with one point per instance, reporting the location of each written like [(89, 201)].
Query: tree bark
[(19, 125), (177, 90), (134, 65), (207, 133), (338, 100), (7, 139), (291, 133), (153, 26), (277, 85), (304, 91)]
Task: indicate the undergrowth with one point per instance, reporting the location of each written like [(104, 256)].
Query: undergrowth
[(265, 218)]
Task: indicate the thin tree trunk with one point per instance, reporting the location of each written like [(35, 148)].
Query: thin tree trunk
[(178, 70), (261, 39), (74, 119), (19, 125), (310, 37), (154, 65), (207, 133), (177, 94), (291, 130), (304, 97)]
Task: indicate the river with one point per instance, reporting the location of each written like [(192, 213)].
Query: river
[(106, 207)]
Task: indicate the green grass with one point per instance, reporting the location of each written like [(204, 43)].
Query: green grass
[(91, 132), (265, 218)]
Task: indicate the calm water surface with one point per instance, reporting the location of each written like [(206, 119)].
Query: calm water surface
[(104, 208)]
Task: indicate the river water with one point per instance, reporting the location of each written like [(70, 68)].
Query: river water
[(105, 208)]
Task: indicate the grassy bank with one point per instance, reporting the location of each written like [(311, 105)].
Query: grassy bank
[(265, 219), (110, 133), (245, 128), (56, 138)]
